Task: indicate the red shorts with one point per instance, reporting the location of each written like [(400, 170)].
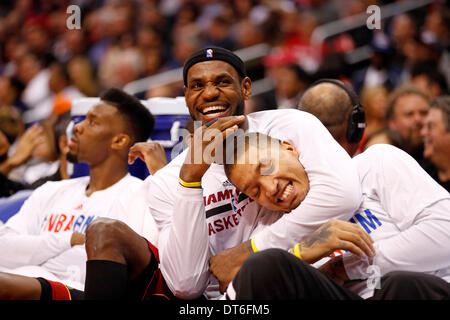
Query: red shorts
[(149, 285), (156, 285)]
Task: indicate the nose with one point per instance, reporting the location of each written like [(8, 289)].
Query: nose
[(270, 186), (78, 127), (210, 92)]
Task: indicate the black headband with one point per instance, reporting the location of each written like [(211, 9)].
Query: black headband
[(214, 53)]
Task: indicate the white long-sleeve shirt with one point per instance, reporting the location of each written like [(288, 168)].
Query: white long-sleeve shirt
[(406, 213), (195, 224), (36, 240)]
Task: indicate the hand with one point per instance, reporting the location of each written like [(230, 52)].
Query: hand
[(227, 263), (334, 235), (203, 145), (77, 239), (27, 142), (152, 153)]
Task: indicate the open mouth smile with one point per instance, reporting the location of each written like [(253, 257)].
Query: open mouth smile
[(286, 194)]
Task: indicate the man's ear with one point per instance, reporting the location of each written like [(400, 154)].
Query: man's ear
[(121, 141), (290, 147), (246, 88)]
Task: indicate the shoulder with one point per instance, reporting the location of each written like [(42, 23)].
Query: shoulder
[(383, 153), (282, 119)]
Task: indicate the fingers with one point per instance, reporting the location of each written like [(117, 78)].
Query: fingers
[(222, 124), (356, 244), (353, 237)]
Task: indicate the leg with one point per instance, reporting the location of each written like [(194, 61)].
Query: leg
[(405, 285), (16, 287), (116, 254), (278, 275)]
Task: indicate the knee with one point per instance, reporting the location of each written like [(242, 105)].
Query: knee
[(6, 291), (103, 234)]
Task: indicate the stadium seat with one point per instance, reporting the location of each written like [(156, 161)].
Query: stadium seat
[(9, 206)]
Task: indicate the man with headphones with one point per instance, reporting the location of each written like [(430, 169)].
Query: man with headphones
[(337, 106)]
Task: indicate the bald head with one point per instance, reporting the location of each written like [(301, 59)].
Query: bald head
[(331, 105)]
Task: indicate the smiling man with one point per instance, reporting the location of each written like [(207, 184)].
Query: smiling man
[(405, 213), (46, 237), (436, 137), (200, 214)]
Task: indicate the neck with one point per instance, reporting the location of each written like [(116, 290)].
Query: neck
[(442, 165), (105, 175)]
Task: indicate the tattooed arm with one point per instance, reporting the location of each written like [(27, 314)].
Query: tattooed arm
[(334, 235)]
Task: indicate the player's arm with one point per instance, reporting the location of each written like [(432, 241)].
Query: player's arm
[(184, 241), (333, 235)]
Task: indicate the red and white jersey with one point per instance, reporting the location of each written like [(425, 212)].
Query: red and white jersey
[(195, 224), (39, 234)]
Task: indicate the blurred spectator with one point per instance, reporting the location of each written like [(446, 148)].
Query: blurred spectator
[(15, 49), (71, 43), (35, 77), (186, 41), (428, 78), (381, 71), (290, 82), (40, 155), (82, 75), (153, 61), (11, 90), (11, 123), (60, 99), (374, 102), (148, 38), (437, 25), (37, 37), (402, 29), (382, 135), (120, 66), (7, 187), (20, 155), (406, 111), (219, 34), (246, 34), (325, 10), (436, 135)]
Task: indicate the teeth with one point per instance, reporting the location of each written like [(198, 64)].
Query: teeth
[(213, 108), (286, 192)]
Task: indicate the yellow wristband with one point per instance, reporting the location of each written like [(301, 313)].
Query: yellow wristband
[(190, 184), (297, 251), (252, 241)]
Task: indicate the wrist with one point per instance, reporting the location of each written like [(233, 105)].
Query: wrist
[(188, 175)]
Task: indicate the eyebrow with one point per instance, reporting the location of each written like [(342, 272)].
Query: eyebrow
[(219, 76), (257, 169)]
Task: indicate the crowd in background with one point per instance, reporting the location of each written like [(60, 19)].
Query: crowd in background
[(44, 65)]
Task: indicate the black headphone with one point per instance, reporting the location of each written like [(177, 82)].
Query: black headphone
[(357, 119)]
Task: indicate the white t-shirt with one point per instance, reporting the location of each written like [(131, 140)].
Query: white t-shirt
[(195, 224), (406, 213), (36, 240)]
